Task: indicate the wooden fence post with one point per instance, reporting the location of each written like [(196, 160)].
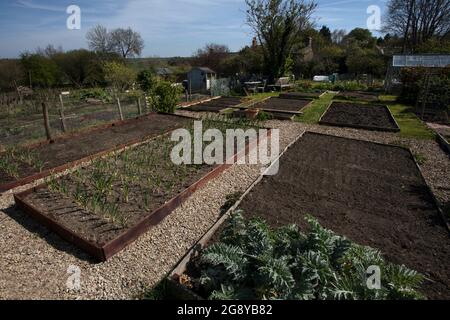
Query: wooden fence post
[(120, 109), (61, 113), (46, 120)]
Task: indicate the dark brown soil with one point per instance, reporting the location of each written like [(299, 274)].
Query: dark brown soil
[(91, 142), (358, 96), (301, 95), (216, 105), (370, 117), (278, 104), (372, 194)]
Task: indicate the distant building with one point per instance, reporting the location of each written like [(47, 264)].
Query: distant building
[(200, 79)]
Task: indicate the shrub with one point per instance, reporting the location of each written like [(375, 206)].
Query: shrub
[(146, 80), (252, 261), (94, 93), (165, 97)]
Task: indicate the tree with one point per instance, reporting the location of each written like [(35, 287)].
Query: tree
[(249, 61), (417, 21), (11, 72), (277, 25), (212, 56), (80, 67), (124, 42), (362, 37), (338, 36), (127, 42), (43, 71), (99, 40), (119, 76), (326, 33)]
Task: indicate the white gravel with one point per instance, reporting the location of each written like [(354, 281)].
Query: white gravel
[(34, 261)]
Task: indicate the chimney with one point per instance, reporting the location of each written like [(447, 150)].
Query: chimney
[(254, 42)]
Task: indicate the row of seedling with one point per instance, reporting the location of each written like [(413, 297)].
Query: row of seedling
[(12, 158), (132, 180)]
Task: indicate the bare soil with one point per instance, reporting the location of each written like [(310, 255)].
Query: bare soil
[(373, 194), (91, 142), (358, 96), (216, 105), (353, 115), (301, 95), (279, 104)]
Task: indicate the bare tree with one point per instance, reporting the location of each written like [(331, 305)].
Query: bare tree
[(277, 25), (99, 39), (338, 35), (418, 21), (212, 56), (127, 43)]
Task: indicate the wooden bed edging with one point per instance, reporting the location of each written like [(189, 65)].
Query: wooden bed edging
[(190, 104), (103, 253), (356, 126), (178, 291), (69, 165), (443, 143), (174, 288)]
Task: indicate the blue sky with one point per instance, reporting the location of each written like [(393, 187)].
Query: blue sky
[(169, 27)]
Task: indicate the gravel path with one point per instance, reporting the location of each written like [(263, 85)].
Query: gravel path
[(34, 261)]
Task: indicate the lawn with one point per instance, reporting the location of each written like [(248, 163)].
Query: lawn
[(313, 113), (411, 126)]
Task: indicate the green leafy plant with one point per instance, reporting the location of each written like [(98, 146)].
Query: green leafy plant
[(253, 261), (165, 97)]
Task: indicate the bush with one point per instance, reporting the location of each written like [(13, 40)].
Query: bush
[(254, 262), (94, 93), (165, 97)]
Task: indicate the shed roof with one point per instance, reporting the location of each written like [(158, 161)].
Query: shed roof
[(204, 69), (163, 71)]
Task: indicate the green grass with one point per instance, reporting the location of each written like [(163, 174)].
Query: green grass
[(314, 112), (410, 125), (261, 96)]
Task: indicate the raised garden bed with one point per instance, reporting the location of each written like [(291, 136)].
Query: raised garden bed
[(371, 193), (357, 96), (20, 166), (360, 116), (302, 95), (282, 105), (105, 206), (215, 105)]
